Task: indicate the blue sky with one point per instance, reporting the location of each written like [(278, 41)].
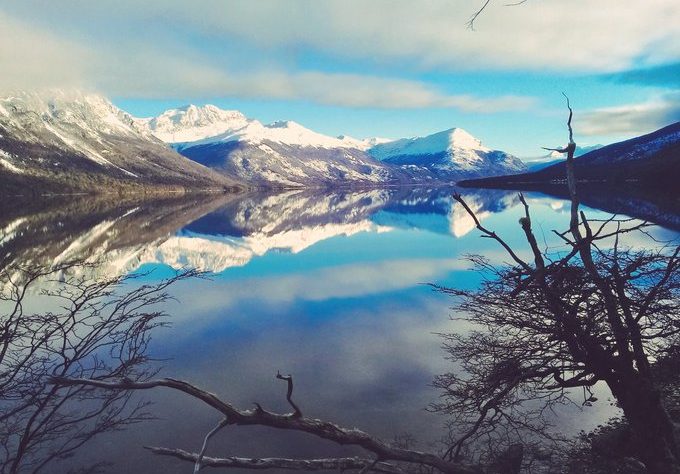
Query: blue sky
[(366, 68)]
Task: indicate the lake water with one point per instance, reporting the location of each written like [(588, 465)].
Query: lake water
[(327, 286)]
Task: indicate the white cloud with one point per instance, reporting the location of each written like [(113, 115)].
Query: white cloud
[(552, 34), (170, 48), (33, 58), (631, 119)]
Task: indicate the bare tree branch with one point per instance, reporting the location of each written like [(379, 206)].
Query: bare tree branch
[(340, 464), (316, 427), (595, 313), (289, 393), (210, 434)]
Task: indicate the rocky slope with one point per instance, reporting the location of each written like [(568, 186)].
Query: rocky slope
[(60, 142)]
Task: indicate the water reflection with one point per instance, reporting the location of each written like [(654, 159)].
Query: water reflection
[(324, 285), (213, 233)]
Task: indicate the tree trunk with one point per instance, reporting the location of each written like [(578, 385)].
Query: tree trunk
[(652, 428)]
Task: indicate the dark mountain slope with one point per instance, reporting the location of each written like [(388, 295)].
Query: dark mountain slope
[(648, 160)]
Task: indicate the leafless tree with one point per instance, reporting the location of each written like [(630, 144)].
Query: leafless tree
[(599, 311), (95, 327)]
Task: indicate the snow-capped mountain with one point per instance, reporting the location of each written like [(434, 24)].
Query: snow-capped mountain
[(282, 132), (363, 144), (286, 153), (272, 163), (449, 154), (192, 123), (66, 141), (58, 141), (283, 153)]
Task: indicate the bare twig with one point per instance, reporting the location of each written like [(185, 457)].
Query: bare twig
[(201, 454), (289, 392)]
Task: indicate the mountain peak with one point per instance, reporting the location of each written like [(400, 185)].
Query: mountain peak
[(67, 107), (286, 124), (459, 138), (453, 139), (193, 122), (449, 151)]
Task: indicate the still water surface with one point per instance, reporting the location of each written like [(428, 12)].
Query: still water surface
[(325, 286)]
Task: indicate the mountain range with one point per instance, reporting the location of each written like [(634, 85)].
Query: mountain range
[(56, 142), (288, 154), (66, 141)]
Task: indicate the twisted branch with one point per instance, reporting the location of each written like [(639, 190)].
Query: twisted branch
[(289, 393), (319, 428)]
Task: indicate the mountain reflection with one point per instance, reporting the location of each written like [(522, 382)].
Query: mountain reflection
[(216, 232)]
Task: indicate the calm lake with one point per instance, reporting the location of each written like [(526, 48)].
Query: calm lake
[(327, 286)]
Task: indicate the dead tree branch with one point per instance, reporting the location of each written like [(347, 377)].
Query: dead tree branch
[(340, 464), (289, 393), (319, 428)]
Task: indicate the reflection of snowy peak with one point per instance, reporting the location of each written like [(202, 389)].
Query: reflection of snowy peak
[(215, 254), (451, 153), (483, 205), (436, 211)]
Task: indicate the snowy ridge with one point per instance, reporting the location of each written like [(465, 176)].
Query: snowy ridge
[(283, 132), (448, 140), (448, 153), (286, 153), (364, 144), (67, 116), (191, 123)]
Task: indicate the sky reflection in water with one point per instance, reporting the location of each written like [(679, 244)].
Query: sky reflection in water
[(328, 287)]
